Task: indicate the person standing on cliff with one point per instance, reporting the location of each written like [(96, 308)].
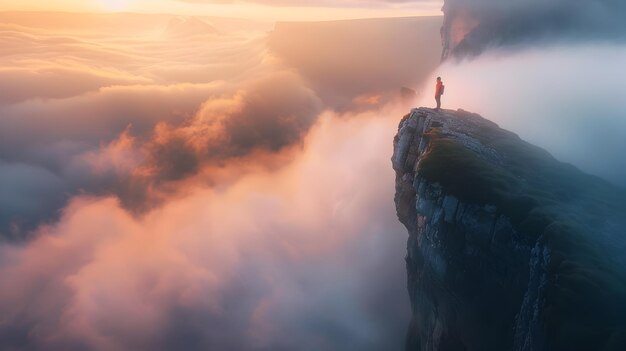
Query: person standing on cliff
[(439, 89)]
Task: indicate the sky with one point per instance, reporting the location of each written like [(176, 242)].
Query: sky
[(284, 10)]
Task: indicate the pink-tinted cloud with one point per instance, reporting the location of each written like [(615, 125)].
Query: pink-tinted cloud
[(184, 101), (323, 3), (209, 199), (253, 265)]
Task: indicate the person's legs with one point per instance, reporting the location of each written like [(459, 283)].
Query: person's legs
[(438, 99)]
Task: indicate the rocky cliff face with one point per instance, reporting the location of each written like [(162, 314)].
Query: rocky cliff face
[(508, 248)]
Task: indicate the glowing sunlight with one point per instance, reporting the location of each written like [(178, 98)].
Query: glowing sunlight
[(114, 5)]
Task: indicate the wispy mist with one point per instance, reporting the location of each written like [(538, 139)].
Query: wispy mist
[(567, 99)]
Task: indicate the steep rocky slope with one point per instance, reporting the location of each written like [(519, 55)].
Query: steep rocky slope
[(508, 248)]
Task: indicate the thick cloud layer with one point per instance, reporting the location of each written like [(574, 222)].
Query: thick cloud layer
[(186, 188), (94, 110), (308, 257), (153, 132), (83, 109)]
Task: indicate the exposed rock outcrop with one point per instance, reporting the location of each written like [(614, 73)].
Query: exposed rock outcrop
[(508, 248)]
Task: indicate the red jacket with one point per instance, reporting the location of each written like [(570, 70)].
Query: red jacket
[(438, 89)]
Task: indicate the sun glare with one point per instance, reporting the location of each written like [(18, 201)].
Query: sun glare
[(114, 5)]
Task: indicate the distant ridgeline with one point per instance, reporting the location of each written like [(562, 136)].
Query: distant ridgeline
[(508, 249), (471, 26)]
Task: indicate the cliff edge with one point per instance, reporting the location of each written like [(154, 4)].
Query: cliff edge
[(508, 249)]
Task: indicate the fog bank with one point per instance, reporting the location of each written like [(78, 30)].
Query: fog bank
[(566, 99)]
